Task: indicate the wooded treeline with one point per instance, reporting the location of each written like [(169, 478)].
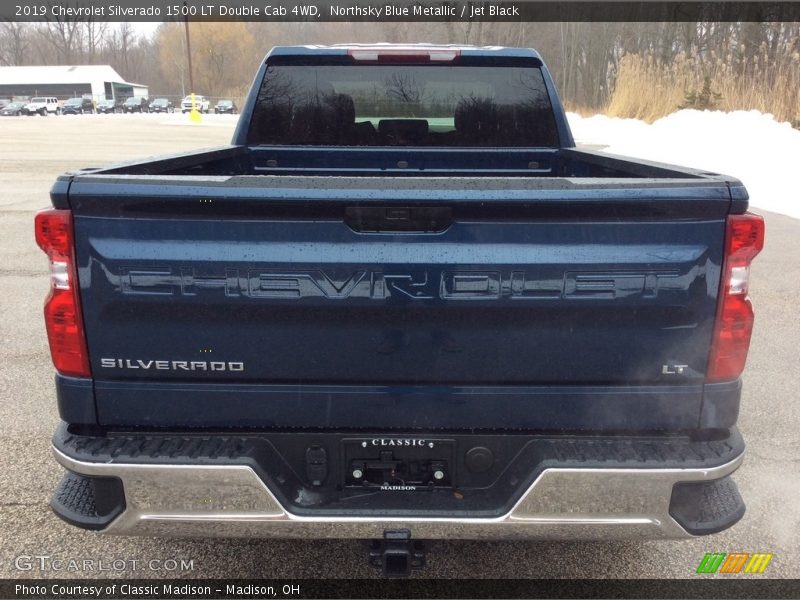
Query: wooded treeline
[(597, 66)]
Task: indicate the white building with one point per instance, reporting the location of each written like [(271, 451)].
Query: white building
[(99, 81)]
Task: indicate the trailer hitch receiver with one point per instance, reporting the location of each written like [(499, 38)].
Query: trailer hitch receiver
[(396, 554)]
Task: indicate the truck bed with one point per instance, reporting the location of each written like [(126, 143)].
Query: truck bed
[(545, 163)]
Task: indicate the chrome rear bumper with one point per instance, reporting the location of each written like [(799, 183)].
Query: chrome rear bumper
[(232, 501)]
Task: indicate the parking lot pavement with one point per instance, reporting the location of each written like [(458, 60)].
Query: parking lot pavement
[(34, 150)]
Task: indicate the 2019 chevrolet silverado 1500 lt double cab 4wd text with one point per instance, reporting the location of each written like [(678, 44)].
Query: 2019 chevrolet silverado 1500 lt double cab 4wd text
[(400, 301)]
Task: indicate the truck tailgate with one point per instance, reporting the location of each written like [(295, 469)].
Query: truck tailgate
[(191, 285)]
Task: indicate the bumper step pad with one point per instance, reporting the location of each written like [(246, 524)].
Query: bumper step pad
[(88, 502), (706, 507)]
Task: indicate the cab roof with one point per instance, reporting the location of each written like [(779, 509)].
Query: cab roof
[(462, 50)]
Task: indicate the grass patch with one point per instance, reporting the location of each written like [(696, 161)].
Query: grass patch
[(648, 89)]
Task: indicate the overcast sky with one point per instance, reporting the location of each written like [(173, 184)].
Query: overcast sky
[(146, 29)]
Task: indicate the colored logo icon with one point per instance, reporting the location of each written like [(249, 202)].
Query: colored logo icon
[(734, 562)]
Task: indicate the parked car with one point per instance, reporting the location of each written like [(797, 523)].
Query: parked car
[(77, 106), (109, 106), (4, 102), (135, 104), (12, 110), (508, 337), (162, 105), (42, 105), (225, 107), (201, 104)]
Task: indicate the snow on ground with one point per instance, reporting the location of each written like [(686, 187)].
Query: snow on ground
[(176, 118), (748, 145), (212, 120)]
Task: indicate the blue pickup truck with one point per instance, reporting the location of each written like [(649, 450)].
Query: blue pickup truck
[(400, 305)]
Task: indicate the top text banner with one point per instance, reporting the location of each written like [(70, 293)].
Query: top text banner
[(400, 10)]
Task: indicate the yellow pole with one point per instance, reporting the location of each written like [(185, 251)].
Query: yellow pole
[(194, 114)]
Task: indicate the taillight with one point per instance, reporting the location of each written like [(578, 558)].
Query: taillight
[(744, 239), (62, 310)]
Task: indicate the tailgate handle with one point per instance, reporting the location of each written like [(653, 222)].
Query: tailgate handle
[(417, 219)]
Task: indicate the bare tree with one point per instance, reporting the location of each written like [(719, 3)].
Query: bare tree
[(15, 43), (64, 36), (402, 87), (95, 34)]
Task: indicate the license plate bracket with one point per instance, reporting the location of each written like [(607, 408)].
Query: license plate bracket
[(399, 463)]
